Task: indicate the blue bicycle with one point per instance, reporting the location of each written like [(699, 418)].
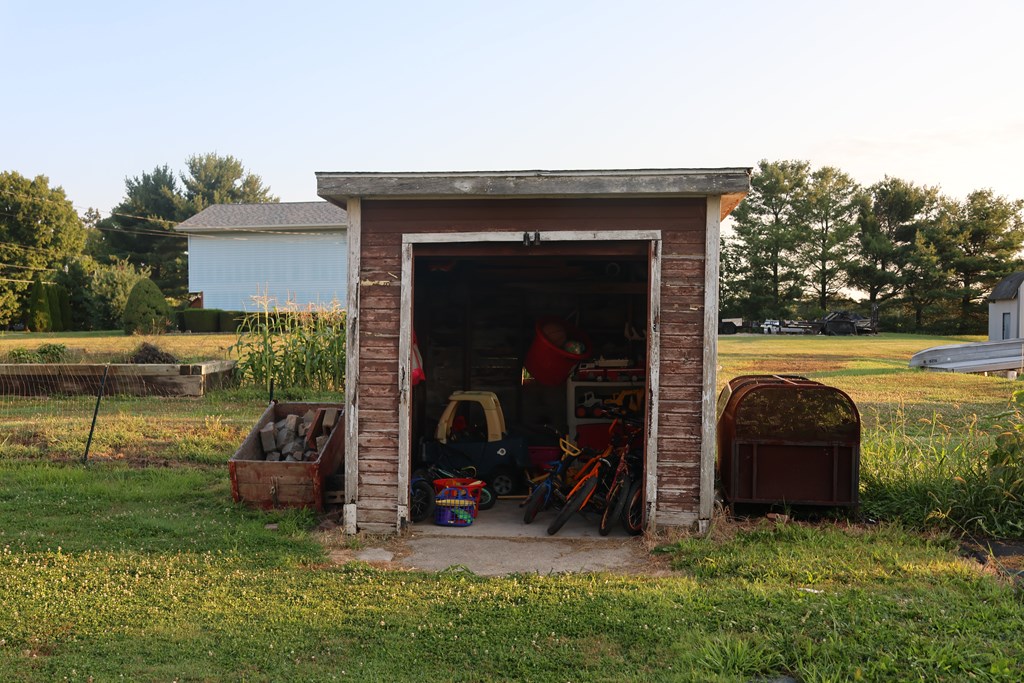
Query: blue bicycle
[(552, 487)]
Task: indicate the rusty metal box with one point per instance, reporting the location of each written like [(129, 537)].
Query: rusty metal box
[(265, 484), (784, 439)]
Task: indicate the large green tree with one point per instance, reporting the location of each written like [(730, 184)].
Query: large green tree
[(889, 217), (213, 179), (39, 230), (827, 209), (763, 277), (978, 240), (924, 279), (141, 228)]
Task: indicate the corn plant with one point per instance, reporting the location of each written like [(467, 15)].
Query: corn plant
[(296, 348)]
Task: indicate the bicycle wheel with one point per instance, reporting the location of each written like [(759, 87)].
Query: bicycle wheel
[(633, 513), (573, 505), (421, 500), (487, 497), (534, 502), (617, 498)]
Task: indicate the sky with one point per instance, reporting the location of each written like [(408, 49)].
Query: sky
[(98, 92)]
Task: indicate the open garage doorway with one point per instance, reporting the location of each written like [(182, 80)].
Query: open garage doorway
[(473, 309)]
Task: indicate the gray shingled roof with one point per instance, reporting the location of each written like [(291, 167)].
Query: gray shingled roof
[(263, 216), (1007, 287)]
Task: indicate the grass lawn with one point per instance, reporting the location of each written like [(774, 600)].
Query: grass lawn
[(112, 346), (873, 370), (109, 571), (130, 570)]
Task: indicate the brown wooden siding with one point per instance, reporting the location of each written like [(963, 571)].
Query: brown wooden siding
[(682, 222)]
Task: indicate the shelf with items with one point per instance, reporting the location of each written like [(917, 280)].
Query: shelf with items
[(586, 396)]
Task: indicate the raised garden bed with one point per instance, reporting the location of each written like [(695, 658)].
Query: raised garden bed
[(133, 379)]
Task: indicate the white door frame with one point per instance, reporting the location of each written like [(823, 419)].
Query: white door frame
[(653, 237)]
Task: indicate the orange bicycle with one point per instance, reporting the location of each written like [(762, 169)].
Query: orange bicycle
[(581, 494)]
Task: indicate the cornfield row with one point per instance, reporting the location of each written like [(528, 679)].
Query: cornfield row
[(296, 348)]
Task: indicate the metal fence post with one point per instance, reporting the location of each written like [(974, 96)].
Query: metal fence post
[(95, 412)]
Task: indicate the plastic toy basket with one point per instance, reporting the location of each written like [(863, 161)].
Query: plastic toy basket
[(454, 507), (473, 486)]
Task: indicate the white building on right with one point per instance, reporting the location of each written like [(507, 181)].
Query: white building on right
[(1004, 308)]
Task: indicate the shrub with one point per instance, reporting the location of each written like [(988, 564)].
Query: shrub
[(202, 319), (229, 321), (151, 353), (52, 353), (20, 355), (146, 311), (111, 285)]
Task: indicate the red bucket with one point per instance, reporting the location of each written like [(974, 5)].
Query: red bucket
[(548, 361)]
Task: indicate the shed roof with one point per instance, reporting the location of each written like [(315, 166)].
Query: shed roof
[(731, 183), (279, 216), (1007, 287)]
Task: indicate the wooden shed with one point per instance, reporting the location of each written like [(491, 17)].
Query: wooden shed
[(462, 265)]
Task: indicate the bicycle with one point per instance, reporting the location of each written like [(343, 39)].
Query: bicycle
[(583, 492), (550, 487), (627, 468)]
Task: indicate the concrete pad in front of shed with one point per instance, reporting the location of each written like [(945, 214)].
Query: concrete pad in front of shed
[(500, 556)]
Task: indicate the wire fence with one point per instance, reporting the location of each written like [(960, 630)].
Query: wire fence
[(141, 414)]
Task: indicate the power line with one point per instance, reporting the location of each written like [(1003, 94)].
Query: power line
[(25, 247), (28, 282), (12, 265)]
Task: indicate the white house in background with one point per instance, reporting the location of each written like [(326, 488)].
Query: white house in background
[(1004, 308), (292, 252)]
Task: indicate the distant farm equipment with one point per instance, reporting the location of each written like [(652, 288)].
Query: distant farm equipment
[(836, 323)]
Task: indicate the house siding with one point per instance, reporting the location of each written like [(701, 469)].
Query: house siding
[(310, 267), (682, 223)]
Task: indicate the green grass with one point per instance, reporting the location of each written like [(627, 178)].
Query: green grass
[(137, 566), (165, 586), (873, 370)]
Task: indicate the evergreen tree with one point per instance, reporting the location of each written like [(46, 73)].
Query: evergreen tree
[(827, 209), (213, 179), (141, 228), (888, 218), (37, 318), (64, 303), (924, 280), (146, 311), (764, 277), (978, 241), (53, 308)]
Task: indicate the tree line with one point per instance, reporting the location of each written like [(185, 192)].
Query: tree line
[(94, 261), (807, 241)]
